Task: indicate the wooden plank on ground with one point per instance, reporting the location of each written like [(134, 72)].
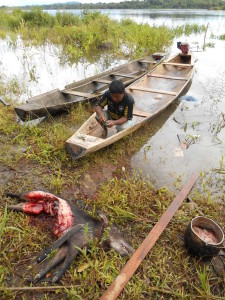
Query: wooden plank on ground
[(143, 89), (167, 77), (80, 94), (133, 263)]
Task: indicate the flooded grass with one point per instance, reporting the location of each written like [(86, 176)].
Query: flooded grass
[(222, 37), (90, 32)]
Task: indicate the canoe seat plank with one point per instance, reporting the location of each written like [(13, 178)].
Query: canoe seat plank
[(167, 77), (102, 81), (80, 94), (177, 65), (143, 89), (141, 113), (124, 75), (147, 62)]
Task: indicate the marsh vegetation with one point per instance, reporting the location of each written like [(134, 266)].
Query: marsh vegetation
[(82, 35)]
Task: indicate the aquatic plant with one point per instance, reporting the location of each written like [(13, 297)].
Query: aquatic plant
[(222, 37), (188, 29)]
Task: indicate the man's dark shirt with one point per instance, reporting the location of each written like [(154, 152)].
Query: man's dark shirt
[(118, 110)]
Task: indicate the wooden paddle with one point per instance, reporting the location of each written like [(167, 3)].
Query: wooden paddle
[(133, 263)]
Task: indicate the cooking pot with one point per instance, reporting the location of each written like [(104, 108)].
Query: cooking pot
[(203, 237)]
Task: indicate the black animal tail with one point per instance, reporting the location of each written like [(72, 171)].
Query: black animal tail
[(12, 195)]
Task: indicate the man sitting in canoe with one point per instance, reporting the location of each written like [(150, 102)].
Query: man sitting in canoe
[(120, 107)]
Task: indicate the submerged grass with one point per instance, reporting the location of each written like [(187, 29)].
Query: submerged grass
[(89, 32)]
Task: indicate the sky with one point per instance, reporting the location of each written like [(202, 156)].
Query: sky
[(40, 2)]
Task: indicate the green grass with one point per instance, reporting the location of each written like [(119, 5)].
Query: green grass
[(222, 37), (132, 203)]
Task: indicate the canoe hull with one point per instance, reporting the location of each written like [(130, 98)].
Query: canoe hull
[(88, 139), (89, 89)]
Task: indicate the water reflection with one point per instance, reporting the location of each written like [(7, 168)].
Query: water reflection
[(168, 17), (36, 70)]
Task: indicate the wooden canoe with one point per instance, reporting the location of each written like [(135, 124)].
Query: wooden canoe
[(152, 93), (91, 88)]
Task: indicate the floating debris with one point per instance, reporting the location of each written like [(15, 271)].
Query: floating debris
[(188, 98), (186, 140), (178, 152)]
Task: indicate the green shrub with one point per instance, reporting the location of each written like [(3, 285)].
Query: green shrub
[(36, 17), (222, 37)]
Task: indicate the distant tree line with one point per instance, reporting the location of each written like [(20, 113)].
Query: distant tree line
[(180, 4)]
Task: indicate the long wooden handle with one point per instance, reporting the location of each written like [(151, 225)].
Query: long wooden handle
[(133, 263)]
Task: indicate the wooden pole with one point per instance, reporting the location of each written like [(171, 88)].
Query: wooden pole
[(35, 288), (205, 36), (133, 263)]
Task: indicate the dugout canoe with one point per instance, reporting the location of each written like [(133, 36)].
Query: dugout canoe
[(56, 101), (152, 93)]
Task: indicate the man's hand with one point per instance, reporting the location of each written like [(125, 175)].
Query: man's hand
[(110, 123), (99, 112), (102, 119)]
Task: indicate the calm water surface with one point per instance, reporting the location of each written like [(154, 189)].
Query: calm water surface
[(168, 17), (40, 69), (201, 123)]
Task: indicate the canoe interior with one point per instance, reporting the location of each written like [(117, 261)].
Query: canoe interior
[(147, 101), (127, 75), (94, 129), (133, 68), (152, 93)]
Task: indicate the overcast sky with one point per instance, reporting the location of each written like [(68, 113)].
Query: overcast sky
[(39, 2)]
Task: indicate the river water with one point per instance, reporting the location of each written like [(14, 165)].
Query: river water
[(169, 17), (201, 124)]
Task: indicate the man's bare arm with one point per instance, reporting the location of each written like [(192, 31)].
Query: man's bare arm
[(99, 112), (120, 121)]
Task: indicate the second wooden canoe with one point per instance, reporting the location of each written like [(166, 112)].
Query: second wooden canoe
[(152, 94), (56, 101)]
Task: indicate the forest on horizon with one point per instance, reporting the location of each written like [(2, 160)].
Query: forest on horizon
[(160, 4)]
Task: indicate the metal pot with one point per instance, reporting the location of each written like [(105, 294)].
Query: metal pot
[(198, 245)]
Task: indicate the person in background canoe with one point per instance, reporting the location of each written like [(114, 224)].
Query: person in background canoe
[(120, 104)]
